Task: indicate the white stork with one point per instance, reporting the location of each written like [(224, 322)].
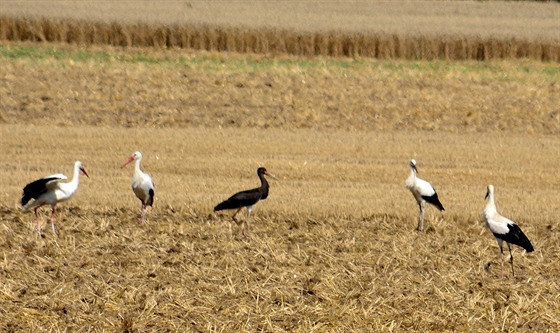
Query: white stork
[(423, 192), (50, 191), (503, 228), (142, 184)]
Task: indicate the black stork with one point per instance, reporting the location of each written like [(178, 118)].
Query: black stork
[(423, 192), (503, 228), (246, 199), (50, 191)]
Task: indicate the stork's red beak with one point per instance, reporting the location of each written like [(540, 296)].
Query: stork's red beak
[(270, 175), (130, 159)]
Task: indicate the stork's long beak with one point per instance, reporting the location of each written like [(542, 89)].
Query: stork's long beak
[(130, 159), (84, 171), (414, 168), (487, 193), (270, 175)]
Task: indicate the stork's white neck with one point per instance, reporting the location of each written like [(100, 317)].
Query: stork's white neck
[(490, 204), (411, 178), (137, 170), (76, 176)]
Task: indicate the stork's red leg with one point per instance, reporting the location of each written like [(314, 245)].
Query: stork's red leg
[(236, 222), (235, 214), (143, 214)]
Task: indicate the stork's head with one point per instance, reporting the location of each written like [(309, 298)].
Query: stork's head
[(412, 165), (82, 169), (489, 191), (263, 171), (134, 157)]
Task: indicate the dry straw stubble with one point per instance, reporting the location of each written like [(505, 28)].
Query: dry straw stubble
[(103, 86), (333, 245)]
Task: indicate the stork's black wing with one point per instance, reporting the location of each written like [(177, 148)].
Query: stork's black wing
[(434, 200), (240, 199), (35, 189), (517, 237)]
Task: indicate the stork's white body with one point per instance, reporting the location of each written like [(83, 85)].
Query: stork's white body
[(497, 223), (419, 187), (503, 228), (142, 184), (423, 192), (51, 191), (56, 192)]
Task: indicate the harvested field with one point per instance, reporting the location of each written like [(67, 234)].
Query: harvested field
[(333, 247), (460, 30), (103, 86)]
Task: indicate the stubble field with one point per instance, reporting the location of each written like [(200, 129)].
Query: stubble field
[(333, 247)]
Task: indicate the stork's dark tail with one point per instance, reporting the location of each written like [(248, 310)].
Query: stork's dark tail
[(150, 198), (434, 200), (224, 205), (518, 238)]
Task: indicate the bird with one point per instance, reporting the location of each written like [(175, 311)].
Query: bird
[(142, 184), (247, 199), (423, 192), (50, 191), (504, 229)]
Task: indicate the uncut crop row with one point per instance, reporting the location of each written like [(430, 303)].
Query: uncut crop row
[(275, 41)]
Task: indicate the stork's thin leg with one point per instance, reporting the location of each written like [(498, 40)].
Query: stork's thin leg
[(236, 222), (418, 227), (247, 232), (511, 259), (235, 214), (502, 252), (38, 221), (143, 213), (421, 216), (52, 221), (242, 227)]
